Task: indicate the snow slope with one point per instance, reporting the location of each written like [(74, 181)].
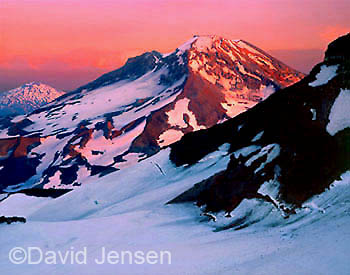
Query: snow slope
[(131, 214)]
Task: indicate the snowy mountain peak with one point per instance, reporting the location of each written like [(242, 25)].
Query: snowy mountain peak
[(27, 98), (230, 63), (200, 39), (131, 113), (33, 83)]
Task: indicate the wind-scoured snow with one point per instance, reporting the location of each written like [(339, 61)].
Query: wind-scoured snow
[(339, 117), (326, 74)]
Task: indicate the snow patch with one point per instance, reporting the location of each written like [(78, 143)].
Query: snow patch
[(176, 116), (270, 188), (314, 114), (203, 43), (246, 151), (267, 91), (55, 181), (326, 74), (339, 117), (112, 147), (272, 151), (169, 136), (258, 136), (18, 118), (235, 106)]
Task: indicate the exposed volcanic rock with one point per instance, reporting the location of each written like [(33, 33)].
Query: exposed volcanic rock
[(202, 98), (339, 49), (297, 142), (15, 164), (205, 100), (10, 220), (131, 113), (6, 145)]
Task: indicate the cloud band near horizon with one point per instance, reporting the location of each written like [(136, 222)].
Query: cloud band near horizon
[(67, 43)]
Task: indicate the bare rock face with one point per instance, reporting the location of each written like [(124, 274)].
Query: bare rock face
[(133, 112), (10, 220), (339, 49)]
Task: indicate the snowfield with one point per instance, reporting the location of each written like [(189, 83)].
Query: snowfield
[(129, 212)]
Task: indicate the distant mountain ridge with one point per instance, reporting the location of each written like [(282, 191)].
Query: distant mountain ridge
[(27, 98)]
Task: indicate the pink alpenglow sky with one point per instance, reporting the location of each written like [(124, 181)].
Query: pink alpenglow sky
[(66, 43)]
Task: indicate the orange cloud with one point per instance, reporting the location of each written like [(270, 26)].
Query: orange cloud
[(90, 35)]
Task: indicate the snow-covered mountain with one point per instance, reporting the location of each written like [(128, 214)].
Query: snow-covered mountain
[(272, 185), (131, 113), (285, 150), (27, 98)]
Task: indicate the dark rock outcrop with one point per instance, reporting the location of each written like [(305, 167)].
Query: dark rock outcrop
[(10, 220)]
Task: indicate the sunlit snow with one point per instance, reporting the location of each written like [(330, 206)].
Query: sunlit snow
[(339, 117)]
